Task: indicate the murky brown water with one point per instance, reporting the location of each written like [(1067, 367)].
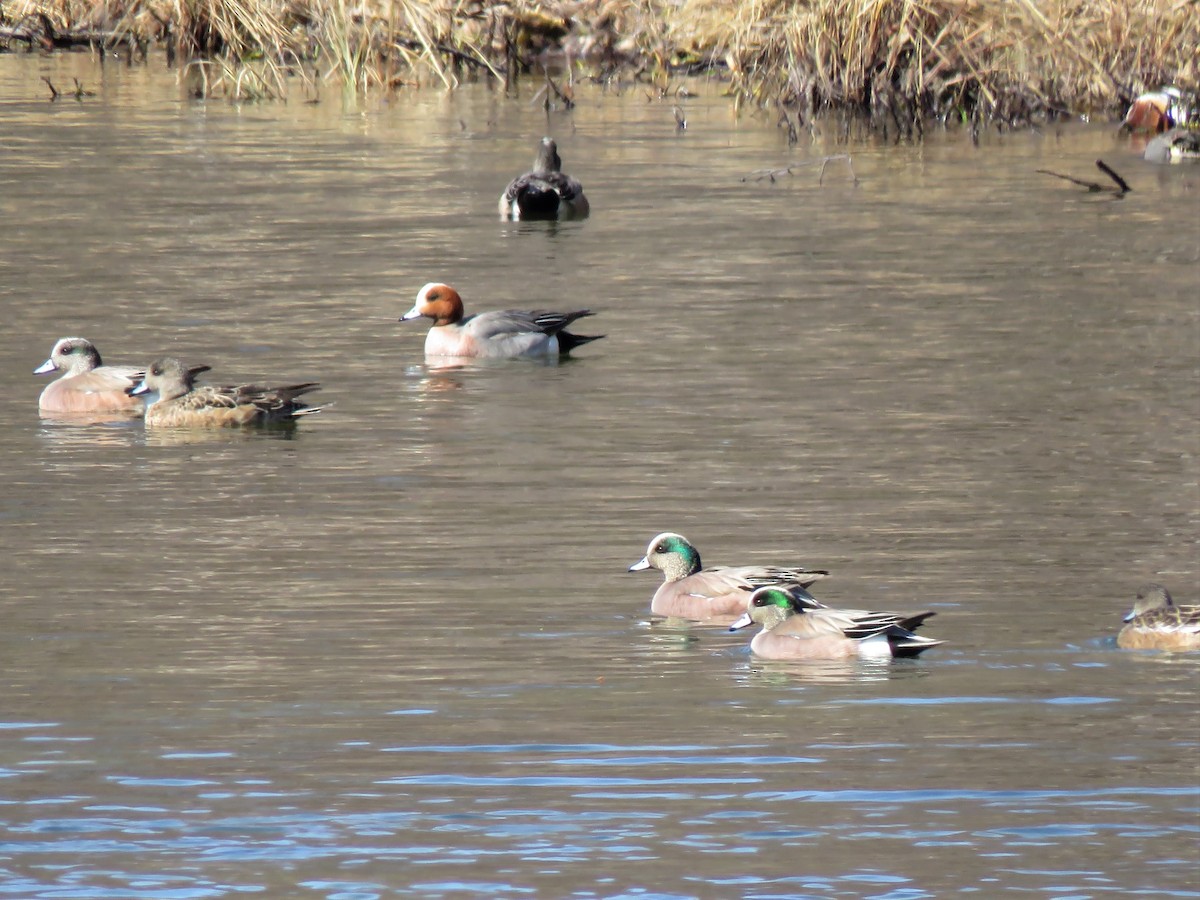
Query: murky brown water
[(397, 652)]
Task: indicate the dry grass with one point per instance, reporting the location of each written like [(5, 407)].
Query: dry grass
[(900, 62), (904, 61)]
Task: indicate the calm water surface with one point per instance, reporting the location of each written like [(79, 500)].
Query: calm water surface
[(396, 652)]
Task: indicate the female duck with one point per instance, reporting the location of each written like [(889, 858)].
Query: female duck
[(1156, 623), (793, 630), (1176, 145), (87, 385), (173, 400), (690, 591), (546, 192), (498, 334)]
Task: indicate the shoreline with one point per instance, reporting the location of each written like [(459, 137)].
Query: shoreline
[(900, 66)]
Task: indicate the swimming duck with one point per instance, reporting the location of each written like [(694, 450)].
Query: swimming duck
[(791, 629), (1176, 145), (690, 591), (173, 400), (1156, 623), (1156, 111), (546, 192), (87, 385), (498, 334)]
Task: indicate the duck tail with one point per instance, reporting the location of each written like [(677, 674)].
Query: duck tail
[(915, 620), (904, 642), (537, 202), (909, 644), (568, 342)]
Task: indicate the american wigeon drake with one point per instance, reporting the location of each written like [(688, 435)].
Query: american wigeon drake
[(690, 591), (1156, 111), (546, 192), (497, 334), (793, 629), (1176, 145), (1156, 623), (173, 400), (87, 385)]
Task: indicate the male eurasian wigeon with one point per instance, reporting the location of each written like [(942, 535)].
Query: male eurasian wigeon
[(546, 192), (87, 385), (1156, 111), (1176, 145), (497, 334), (1156, 623), (173, 400), (792, 629), (690, 591)]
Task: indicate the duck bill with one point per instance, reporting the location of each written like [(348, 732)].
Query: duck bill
[(638, 566), (138, 389), (1130, 616), (744, 622), (413, 313), (45, 368)]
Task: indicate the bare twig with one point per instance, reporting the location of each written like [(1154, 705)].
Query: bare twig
[(824, 161), (849, 165), (53, 89), (567, 100), (1107, 170), (1093, 187), (1090, 185)]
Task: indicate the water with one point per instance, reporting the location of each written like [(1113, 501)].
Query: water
[(396, 652)]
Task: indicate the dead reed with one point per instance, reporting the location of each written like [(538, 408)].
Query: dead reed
[(900, 63), (1007, 61)]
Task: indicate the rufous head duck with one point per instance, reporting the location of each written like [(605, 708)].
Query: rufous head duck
[(436, 301)]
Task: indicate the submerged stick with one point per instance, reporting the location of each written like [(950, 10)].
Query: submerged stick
[(562, 95), (849, 165), (53, 89), (824, 161)]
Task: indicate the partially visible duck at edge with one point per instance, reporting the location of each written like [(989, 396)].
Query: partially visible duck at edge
[(497, 334), (1156, 623), (546, 192), (793, 630), (87, 385), (174, 400), (1156, 111), (1176, 145), (689, 591)]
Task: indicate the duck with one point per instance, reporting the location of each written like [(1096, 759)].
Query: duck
[(1156, 623), (1156, 111), (173, 400), (87, 385), (689, 591), (792, 629), (497, 334), (1173, 146), (546, 192)]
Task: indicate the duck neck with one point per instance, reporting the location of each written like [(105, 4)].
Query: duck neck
[(773, 616), (446, 311), (548, 160), (681, 564)]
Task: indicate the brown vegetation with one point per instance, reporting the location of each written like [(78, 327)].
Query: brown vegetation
[(900, 62)]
